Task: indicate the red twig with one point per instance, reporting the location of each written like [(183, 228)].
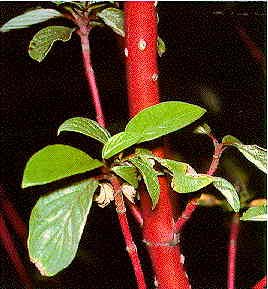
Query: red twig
[(83, 32), (232, 250), (13, 254), (135, 212), (13, 217), (262, 284), (131, 247), (192, 205)]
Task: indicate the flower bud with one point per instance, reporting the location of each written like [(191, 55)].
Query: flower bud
[(129, 192), (106, 195)]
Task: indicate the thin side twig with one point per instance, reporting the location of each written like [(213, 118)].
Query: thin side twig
[(10, 247), (90, 75), (135, 213), (13, 217), (131, 247), (234, 231), (193, 204)]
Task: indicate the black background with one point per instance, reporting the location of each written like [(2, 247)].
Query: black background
[(204, 50)]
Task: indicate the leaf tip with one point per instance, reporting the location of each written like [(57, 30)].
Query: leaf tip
[(39, 266)]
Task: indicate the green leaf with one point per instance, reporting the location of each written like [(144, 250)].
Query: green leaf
[(29, 18), (87, 127), (114, 18), (163, 118), (255, 214), (254, 153), (229, 192), (128, 173), (188, 184), (55, 162), (56, 225), (43, 40), (117, 143), (161, 47), (150, 178)]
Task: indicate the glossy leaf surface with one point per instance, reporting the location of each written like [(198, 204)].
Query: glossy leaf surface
[(56, 162), (87, 127), (117, 143), (56, 225), (29, 18), (255, 214), (229, 192), (150, 178), (43, 40), (254, 153), (128, 173), (114, 18), (163, 118)]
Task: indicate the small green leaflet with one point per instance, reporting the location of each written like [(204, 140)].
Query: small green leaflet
[(163, 118), (255, 214), (128, 173), (55, 162), (114, 18), (229, 192), (43, 40), (117, 143), (150, 178), (29, 18), (254, 153), (56, 225), (87, 127), (188, 184), (161, 47)]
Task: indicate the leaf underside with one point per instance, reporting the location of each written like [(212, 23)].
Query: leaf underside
[(30, 18), (44, 39), (56, 225), (258, 213)]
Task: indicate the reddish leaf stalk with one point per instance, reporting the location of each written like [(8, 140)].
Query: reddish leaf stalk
[(232, 250), (13, 216), (83, 32), (131, 247), (13, 254), (142, 74), (262, 284)]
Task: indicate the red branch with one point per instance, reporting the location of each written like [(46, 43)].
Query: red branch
[(13, 216), (142, 74), (131, 247), (13, 254), (84, 34), (262, 284), (232, 250)]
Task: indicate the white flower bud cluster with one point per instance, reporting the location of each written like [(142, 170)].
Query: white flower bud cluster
[(106, 194)]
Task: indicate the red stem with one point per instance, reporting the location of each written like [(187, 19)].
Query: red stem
[(232, 250), (84, 34), (13, 217), (131, 247), (142, 72), (135, 212), (13, 254), (262, 284)]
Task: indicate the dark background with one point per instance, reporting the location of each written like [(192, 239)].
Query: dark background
[(206, 63)]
